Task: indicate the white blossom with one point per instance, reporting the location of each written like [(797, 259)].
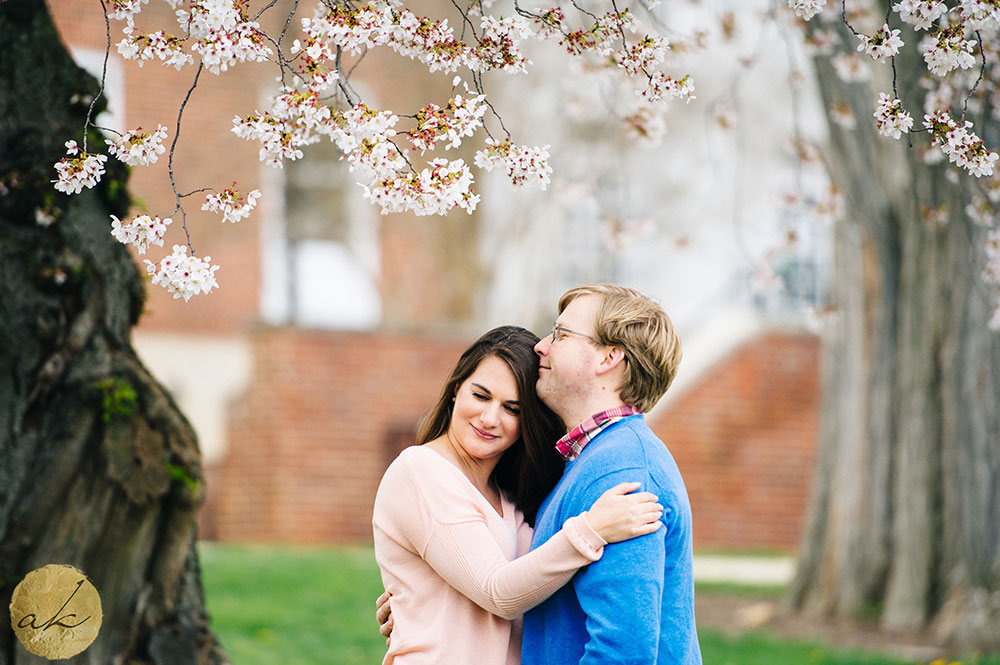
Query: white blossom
[(851, 68), (183, 275), (806, 8), (83, 170), (947, 50), (890, 118), (842, 116), (921, 14), (981, 14), (963, 147), (883, 44), (140, 232), (662, 86), (525, 165), (980, 211), (138, 148), (231, 204)]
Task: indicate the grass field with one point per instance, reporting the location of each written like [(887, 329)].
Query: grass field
[(315, 606)]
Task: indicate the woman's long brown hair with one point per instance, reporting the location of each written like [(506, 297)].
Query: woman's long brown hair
[(529, 469)]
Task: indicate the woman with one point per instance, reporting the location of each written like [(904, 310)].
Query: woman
[(452, 514)]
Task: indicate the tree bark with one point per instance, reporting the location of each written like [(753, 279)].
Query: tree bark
[(903, 518), (100, 470)]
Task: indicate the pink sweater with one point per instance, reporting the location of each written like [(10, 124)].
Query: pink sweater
[(449, 561)]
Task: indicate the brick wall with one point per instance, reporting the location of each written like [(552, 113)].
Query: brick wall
[(744, 438), (325, 414)]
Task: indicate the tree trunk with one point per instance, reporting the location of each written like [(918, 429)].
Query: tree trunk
[(906, 502), (99, 469)]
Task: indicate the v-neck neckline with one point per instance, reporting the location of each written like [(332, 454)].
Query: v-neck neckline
[(506, 507)]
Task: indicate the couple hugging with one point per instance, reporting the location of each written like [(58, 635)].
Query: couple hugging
[(541, 521)]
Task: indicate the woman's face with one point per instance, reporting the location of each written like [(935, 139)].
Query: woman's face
[(486, 419)]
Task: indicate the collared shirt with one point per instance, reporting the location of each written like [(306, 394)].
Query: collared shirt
[(572, 444)]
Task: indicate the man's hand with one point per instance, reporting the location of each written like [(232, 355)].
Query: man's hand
[(383, 614)]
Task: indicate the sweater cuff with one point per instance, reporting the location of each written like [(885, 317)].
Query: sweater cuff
[(583, 537)]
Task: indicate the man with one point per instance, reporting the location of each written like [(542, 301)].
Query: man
[(611, 355)]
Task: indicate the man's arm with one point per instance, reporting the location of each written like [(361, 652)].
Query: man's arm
[(621, 594)]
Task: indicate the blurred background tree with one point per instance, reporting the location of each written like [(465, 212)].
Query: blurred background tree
[(905, 508)]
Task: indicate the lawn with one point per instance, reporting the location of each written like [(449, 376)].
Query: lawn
[(315, 606)]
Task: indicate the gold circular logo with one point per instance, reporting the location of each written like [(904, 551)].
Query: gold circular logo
[(55, 612)]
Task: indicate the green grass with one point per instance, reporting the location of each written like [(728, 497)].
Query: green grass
[(762, 649), (294, 606), (315, 606)]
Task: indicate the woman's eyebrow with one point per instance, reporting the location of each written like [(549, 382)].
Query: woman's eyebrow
[(486, 390)]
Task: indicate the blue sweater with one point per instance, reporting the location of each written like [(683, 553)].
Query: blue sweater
[(636, 604)]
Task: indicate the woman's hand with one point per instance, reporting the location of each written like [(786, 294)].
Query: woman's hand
[(618, 515), (383, 614)]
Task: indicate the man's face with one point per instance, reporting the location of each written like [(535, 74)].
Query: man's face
[(567, 365)]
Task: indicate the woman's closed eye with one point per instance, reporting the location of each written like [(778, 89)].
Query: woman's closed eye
[(509, 408)]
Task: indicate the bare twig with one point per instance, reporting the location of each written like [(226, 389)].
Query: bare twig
[(170, 161), (982, 71), (466, 22), (843, 16), (104, 75), (340, 79)]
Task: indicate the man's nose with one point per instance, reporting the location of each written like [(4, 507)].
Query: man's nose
[(542, 348)]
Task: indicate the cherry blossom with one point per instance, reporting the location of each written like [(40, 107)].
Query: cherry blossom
[(460, 119), (183, 275), (963, 147), (662, 86), (233, 206), (890, 118), (525, 166), (980, 211), (883, 44), (948, 50), (499, 45), (138, 148), (432, 191), (806, 8), (140, 232), (842, 116), (921, 14), (125, 10), (82, 171), (981, 14), (647, 53), (851, 68), (646, 124), (821, 42), (167, 48), (221, 50)]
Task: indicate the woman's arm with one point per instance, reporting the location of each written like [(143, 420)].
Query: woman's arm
[(466, 555)]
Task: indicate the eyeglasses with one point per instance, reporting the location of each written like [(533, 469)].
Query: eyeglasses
[(558, 332)]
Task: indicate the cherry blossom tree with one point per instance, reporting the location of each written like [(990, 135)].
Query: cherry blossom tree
[(905, 503), (100, 470)]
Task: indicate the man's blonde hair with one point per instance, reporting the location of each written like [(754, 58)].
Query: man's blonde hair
[(638, 326)]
